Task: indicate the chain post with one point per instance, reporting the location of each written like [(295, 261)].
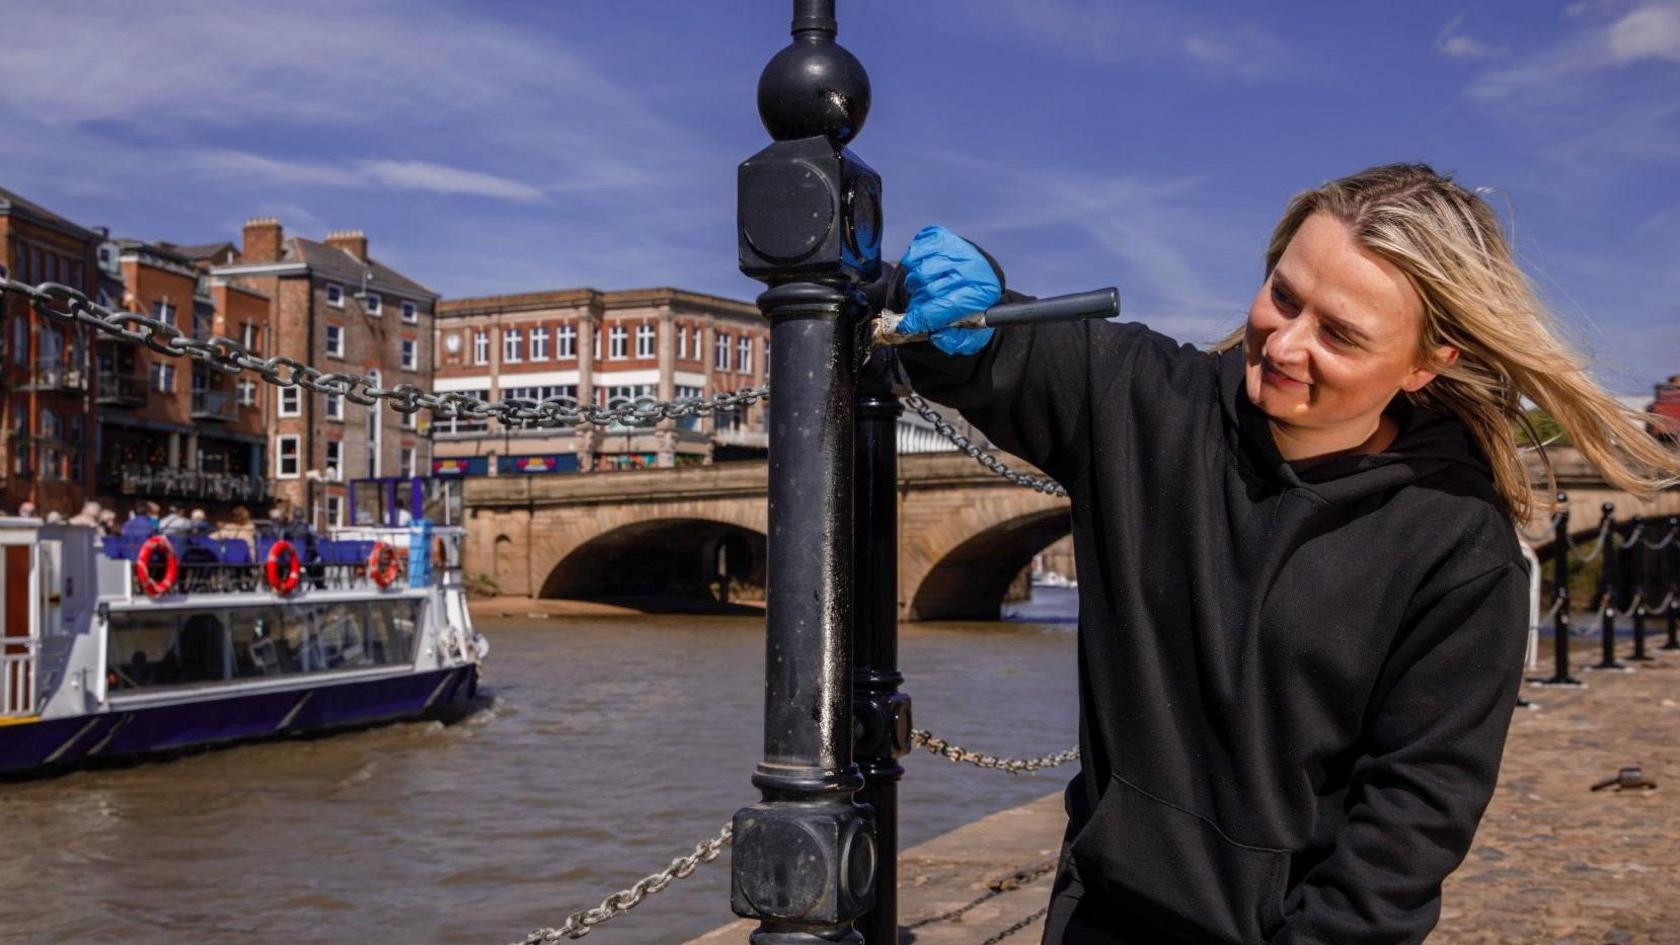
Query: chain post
[(1668, 564), (1636, 572), (1560, 589), (809, 227), (882, 712), (1607, 591)]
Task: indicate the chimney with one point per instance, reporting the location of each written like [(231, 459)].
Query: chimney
[(262, 240), (353, 242)]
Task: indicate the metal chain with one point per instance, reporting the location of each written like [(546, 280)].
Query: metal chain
[(69, 306), (1598, 545), (940, 746), (994, 889), (1634, 537), (579, 924), (991, 462), (1667, 540)]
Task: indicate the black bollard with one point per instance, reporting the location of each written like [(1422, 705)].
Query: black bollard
[(1636, 572), (1667, 560), (809, 226), (1607, 591), (882, 712), (1560, 587)]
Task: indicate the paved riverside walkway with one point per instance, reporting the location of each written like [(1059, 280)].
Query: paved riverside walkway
[(1553, 863)]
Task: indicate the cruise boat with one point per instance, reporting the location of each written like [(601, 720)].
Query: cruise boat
[(119, 647)]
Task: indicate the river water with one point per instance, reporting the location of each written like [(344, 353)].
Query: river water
[(614, 745)]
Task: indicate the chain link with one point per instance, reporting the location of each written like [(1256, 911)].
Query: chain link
[(1667, 540), (579, 924), (944, 428), (1598, 545), (945, 749)]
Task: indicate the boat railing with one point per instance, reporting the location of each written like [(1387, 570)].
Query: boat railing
[(228, 565), (17, 677)]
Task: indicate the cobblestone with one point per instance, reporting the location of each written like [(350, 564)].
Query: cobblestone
[(1554, 863)]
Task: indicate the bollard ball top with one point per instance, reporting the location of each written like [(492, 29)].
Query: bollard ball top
[(812, 88)]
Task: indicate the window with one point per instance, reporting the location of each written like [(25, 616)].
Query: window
[(720, 352), (565, 339), (335, 459), (335, 295), (163, 312), (290, 401), (248, 336), (405, 461), (618, 338), (410, 312), (683, 392), (743, 355), (373, 305), (247, 392), (410, 355), (163, 378), (539, 343), (286, 457), (699, 352), (409, 421), (335, 341), (644, 341), (596, 335), (682, 342), (481, 347), (335, 511), (335, 407), (512, 342)]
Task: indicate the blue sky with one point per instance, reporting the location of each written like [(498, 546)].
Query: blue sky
[(503, 147)]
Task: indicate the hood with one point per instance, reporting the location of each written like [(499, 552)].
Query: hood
[(1429, 443)]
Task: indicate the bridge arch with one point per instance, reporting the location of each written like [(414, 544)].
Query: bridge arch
[(663, 564), (969, 580)]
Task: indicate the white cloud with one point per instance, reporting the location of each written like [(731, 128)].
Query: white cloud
[(422, 175), (1136, 32), (1455, 45), (1647, 33)]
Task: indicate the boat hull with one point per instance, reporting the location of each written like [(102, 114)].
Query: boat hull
[(318, 705)]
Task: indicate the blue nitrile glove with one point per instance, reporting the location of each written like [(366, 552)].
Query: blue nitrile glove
[(947, 277)]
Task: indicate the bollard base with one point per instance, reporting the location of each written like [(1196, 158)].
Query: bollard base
[(1558, 682)]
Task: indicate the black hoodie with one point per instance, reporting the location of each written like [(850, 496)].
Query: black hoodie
[(1294, 686)]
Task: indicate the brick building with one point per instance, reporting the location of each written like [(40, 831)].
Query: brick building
[(334, 306), (604, 348), (173, 430), (46, 368), (1665, 409)]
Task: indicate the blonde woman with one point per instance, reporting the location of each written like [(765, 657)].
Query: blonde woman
[(1302, 606)]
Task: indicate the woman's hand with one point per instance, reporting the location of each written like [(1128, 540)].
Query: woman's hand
[(945, 278)]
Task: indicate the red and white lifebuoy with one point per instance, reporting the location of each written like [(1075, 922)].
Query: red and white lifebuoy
[(383, 564), (283, 577), (156, 587)]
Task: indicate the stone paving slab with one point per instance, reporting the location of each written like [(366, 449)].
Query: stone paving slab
[(1554, 863)]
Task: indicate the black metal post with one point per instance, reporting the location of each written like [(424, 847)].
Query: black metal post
[(882, 711), (1560, 587), (1607, 591), (808, 222), (1636, 573), (1667, 560)]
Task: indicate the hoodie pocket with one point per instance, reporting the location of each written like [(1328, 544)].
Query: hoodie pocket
[(1178, 871)]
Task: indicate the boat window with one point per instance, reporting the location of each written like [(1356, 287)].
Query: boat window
[(151, 648)]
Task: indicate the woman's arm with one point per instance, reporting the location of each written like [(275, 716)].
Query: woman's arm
[(1431, 760)]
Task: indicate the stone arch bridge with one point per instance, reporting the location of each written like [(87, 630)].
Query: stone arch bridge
[(964, 534)]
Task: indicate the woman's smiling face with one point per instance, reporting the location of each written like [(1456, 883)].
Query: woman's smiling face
[(1332, 336)]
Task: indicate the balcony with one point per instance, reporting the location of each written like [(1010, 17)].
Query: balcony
[(213, 405), (121, 390), (164, 481), (56, 375)]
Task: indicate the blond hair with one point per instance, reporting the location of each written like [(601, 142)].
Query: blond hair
[(1476, 300)]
